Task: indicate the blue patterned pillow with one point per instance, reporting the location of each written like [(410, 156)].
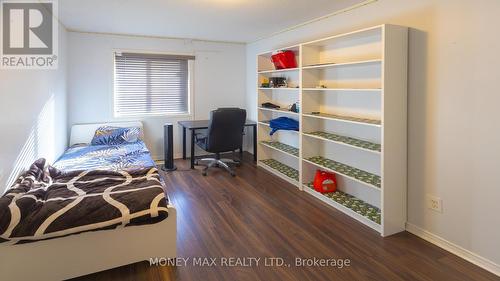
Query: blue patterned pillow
[(108, 135)]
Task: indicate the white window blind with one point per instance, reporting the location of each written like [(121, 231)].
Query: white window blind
[(151, 84)]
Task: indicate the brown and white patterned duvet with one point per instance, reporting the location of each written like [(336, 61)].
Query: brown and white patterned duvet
[(46, 202)]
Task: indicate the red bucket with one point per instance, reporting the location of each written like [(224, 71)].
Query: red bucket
[(284, 59)]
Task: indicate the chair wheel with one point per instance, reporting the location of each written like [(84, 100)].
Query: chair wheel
[(233, 174), (204, 174)]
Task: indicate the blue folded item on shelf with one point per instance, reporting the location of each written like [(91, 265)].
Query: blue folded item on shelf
[(283, 123)]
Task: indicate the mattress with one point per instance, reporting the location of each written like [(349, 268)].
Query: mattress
[(89, 188), (128, 156)]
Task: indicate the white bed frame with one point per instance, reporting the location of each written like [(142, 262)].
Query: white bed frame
[(89, 252)]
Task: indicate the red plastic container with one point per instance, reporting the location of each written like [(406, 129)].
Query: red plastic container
[(284, 59), (325, 182)]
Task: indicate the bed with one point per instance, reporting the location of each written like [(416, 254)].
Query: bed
[(81, 253)]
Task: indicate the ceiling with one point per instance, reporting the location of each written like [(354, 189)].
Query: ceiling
[(218, 20)]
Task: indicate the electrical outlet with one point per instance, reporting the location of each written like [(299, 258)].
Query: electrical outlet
[(435, 203)]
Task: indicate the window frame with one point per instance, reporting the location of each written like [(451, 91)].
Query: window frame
[(190, 97)]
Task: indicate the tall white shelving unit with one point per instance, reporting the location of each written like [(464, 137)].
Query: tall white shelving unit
[(352, 93)]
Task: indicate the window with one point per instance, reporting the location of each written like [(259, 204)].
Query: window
[(151, 84)]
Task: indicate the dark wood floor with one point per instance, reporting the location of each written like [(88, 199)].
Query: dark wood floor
[(259, 215)]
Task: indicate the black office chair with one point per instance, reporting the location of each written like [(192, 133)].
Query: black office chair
[(224, 134)]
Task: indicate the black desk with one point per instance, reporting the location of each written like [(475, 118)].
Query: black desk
[(203, 124)]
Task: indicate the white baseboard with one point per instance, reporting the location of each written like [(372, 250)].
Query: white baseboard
[(454, 249)]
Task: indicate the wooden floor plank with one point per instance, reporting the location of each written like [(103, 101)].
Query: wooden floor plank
[(259, 215)]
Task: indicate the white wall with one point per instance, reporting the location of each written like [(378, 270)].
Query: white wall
[(33, 116), (219, 80), (453, 100)]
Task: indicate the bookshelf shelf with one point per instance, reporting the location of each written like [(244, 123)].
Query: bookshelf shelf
[(285, 148), (346, 171), (354, 206), (353, 142), (279, 88), (279, 111), (284, 171), (279, 70), (327, 65), (358, 120), (343, 89)]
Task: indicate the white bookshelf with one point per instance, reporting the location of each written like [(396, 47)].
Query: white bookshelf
[(352, 93)]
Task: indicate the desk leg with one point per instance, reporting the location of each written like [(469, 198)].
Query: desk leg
[(192, 148), (255, 143), (184, 143)]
